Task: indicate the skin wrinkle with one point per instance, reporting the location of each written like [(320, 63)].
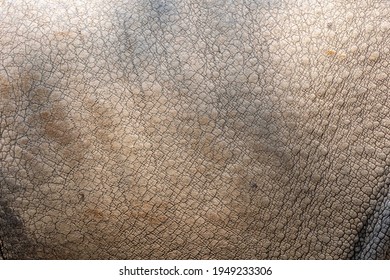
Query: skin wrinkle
[(380, 223), (194, 129)]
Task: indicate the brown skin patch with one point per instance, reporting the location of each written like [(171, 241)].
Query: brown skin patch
[(60, 35), (5, 88), (330, 52), (55, 127), (45, 123), (149, 212), (94, 214)]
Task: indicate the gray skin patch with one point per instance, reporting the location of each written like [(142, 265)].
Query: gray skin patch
[(374, 237), (14, 243)]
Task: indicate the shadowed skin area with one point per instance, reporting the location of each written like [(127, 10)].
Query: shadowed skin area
[(194, 129)]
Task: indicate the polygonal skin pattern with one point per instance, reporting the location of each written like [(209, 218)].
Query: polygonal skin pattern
[(195, 129)]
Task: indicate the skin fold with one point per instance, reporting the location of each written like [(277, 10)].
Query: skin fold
[(195, 129)]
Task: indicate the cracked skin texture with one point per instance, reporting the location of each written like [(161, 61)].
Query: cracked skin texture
[(194, 129)]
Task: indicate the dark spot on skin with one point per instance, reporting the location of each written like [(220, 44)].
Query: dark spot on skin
[(15, 243), (253, 185), (2, 257), (329, 25)]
